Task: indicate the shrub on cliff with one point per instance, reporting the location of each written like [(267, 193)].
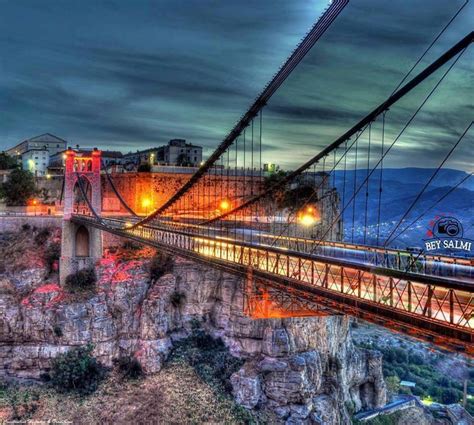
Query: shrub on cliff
[(177, 299), (52, 254), (42, 236), (129, 367), (160, 264), (77, 371), (131, 245), (81, 281), (209, 357)]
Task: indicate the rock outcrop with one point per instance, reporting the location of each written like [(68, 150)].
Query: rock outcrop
[(305, 369)]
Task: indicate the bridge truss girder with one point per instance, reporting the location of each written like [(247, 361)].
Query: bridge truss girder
[(400, 308)]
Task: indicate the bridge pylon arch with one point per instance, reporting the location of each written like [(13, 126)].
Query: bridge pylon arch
[(81, 246)]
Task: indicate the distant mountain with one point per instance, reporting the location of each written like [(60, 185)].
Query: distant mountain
[(400, 187)]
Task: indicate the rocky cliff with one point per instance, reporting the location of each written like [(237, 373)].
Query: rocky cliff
[(305, 369)]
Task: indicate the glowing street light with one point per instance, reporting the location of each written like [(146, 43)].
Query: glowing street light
[(308, 216), (146, 202), (224, 205), (35, 203), (307, 219)]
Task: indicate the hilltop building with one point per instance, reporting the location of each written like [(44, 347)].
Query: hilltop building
[(47, 141), (34, 153), (176, 152)]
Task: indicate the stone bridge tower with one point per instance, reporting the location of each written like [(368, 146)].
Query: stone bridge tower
[(81, 246)]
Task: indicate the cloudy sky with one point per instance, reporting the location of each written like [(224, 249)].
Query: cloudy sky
[(127, 75)]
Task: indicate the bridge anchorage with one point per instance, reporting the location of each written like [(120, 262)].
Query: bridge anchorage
[(81, 245), (307, 242)]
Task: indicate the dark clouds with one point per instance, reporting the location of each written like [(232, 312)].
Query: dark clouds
[(121, 74)]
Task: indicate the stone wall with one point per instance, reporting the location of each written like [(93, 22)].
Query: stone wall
[(306, 370), (14, 224)]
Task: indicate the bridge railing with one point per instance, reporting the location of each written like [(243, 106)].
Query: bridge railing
[(397, 259), (403, 297)]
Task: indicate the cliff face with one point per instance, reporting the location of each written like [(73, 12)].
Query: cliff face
[(306, 370)]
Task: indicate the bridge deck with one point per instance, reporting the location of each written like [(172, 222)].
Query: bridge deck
[(429, 307)]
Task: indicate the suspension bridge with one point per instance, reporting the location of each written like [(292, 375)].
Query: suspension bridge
[(291, 235)]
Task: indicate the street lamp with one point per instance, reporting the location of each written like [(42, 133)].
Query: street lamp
[(224, 205), (146, 202), (35, 203), (308, 216)]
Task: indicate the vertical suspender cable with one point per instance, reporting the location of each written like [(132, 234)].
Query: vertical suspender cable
[(355, 187), (367, 185), (381, 179)]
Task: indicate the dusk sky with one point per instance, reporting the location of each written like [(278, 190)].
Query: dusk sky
[(129, 75)]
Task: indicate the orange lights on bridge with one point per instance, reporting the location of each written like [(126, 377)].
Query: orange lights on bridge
[(308, 216), (146, 203), (225, 205)]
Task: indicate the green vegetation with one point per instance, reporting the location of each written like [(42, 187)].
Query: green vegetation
[(81, 281), (7, 162), (144, 168), (183, 161), (391, 419), (77, 371), (23, 402), (131, 245), (42, 236), (19, 188), (160, 264), (52, 254), (129, 367), (214, 365), (292, 198), (400, 363)]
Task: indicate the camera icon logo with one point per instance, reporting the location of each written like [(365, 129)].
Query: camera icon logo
[(448, 227)]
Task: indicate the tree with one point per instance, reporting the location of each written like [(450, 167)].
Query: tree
[(450, 396), (19, 188), (393, 384), (7, 162), (144, 168), (183, 160)]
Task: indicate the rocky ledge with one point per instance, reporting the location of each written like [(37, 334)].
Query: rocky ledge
[(305, 369)]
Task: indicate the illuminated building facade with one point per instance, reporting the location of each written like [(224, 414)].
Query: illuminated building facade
[(36, 161)]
